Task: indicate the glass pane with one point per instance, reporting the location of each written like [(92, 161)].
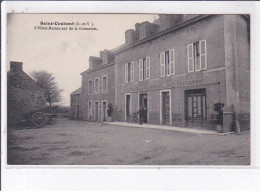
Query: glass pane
[(190, 106), (199, 105), (204, 106)]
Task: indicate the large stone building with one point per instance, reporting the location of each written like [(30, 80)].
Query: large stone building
[(23, 94), (98, 87), (179, 67)]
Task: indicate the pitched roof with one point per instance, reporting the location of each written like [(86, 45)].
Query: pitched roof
[(77, 91)]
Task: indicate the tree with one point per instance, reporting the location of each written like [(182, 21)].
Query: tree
[(51, 90)]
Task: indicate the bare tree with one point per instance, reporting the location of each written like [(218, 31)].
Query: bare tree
[(51, 90)]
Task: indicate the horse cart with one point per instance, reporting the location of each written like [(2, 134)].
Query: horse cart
[(39, 118)]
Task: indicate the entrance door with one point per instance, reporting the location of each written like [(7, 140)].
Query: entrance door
[(165, 108), (104, 112), (77, 111), (96, 111), (144, 102), (195, 113), (127, 107)]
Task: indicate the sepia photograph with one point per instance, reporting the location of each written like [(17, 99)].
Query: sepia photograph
[(128, 89)]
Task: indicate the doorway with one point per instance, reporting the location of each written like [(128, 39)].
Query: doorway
[(143, 101), (165, 108), (127, 107), (195, 109), (96, 111), (104, 110)]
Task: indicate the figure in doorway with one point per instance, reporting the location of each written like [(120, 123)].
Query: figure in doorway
[(142, 114)]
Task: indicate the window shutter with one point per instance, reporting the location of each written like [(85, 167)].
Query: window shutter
[(147, 67), (141, 66), (197, 59), (203, 54), (106, 83), (126, 73), (162, 62), (132, 71), (190, 58), (172, 62)]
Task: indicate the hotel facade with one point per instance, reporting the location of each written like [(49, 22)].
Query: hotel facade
[(179, 67)]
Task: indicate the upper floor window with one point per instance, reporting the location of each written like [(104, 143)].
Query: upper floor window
[(167, 60), (96, 86), (90, 87), (129, 72), (104, 84), (197, 56), (144, 68)]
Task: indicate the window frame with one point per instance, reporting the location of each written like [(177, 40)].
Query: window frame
[(162, 64), (148, 70), (205, 54), (190, 58), (90, 80), (132, 64), (98, 85), (141, 68), (126, 73), (102, 89), (197, 67)]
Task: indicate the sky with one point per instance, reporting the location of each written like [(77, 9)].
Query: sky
[(65, 53)]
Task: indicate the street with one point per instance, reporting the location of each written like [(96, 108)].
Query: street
[(71, 142)]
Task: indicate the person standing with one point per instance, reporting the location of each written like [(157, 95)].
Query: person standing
[(141, 113)]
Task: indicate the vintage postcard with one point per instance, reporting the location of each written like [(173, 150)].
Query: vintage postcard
[(150, 89)]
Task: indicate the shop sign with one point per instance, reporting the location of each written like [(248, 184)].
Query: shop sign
[(163, 85)]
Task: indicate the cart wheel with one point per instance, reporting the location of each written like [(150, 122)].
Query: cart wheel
[(39, 119)]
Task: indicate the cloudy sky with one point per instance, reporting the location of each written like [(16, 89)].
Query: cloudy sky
[(65, 53)]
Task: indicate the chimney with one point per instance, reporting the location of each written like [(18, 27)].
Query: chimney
[(16, 66), (106, 57), (129, 36), (137, 31), (169, 20), (94, 62)]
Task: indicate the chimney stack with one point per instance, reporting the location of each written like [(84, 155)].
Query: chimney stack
[(94, 62), (130, 36), (16, 66)]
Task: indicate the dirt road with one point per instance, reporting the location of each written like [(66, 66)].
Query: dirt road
[(69, 142)]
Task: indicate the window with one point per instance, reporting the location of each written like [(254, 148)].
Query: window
[(144, 68), (96, 86), (104, 84), (90, 87), (197, 56), (167, 61), (129, 72)]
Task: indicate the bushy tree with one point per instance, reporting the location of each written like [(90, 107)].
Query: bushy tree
[(50, 87)]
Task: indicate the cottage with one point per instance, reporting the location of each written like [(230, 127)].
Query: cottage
[(23, 94)]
